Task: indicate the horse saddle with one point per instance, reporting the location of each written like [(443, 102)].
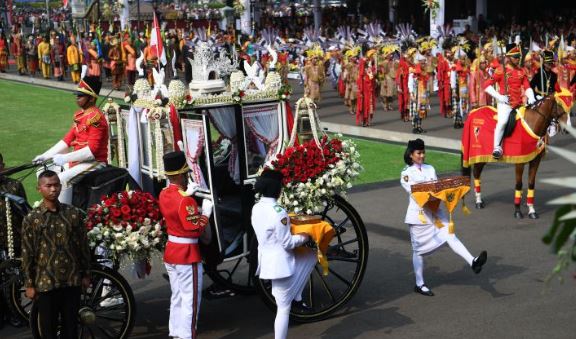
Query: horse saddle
[(511, 124)]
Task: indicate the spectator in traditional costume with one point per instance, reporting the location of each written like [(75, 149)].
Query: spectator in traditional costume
[(44, 57)]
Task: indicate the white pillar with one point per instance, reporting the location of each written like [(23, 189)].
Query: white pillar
[(437, 19), (392, 4), (245, 18), (317, 14)]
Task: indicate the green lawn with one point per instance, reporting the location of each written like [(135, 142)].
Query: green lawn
[(384, 161), (34, 118)]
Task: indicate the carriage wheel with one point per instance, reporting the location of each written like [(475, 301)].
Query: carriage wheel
[(107, 307), (237, 271), (347, 256)]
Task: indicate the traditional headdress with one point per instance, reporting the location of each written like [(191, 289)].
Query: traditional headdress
[(548, 56), (513, 51)]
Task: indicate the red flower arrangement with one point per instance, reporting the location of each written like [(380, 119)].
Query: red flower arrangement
[(314, 172), (308, 160), (127, 223), (124, 208)]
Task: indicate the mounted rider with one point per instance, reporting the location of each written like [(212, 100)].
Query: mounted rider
[(88, 136), (511, 83)]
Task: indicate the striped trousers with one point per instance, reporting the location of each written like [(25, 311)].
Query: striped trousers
[(186, 286)]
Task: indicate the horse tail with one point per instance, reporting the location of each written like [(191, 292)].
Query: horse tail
[(465, 171)]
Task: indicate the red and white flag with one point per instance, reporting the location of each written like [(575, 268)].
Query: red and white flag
[(156, 42)]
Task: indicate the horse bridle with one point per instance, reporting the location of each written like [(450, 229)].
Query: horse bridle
[(548, 120)]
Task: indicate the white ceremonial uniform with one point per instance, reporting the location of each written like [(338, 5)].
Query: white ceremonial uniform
[(277, 261), (426, 237)]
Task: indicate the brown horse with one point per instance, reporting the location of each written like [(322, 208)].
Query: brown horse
[(538, 117)]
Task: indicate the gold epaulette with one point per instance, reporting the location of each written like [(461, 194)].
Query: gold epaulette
[(95, 120)]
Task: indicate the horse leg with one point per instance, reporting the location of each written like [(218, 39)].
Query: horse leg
[(532, 170), (477, 172), (518, 191)]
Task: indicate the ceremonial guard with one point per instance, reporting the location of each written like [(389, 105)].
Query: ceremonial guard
[(11, 186), (478, 80), (386, 76), (443, 75), (418, 89), (545, 81), (277, 261), (55, 260), (365, 96), (74, 57), (459, 83), (88, 136), (185, 225), (425, 236), (512, 83), (402, 76), (565, 67), (44, 57)]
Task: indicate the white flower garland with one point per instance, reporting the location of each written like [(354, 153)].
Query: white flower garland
[(159, 141), (177, 92), (119, 133), (310, 107), (149, 148), (9, 229)]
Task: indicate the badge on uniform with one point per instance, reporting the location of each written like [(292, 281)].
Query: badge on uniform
[(405, 178), (284, 221)]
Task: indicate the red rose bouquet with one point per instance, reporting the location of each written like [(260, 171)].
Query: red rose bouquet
[(127, 223), (315, 172)]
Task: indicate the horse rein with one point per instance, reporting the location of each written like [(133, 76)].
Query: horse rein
[(548, 120)]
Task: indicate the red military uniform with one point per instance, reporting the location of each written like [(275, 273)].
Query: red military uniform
[(89, 129), (184, 221), (516, 81)]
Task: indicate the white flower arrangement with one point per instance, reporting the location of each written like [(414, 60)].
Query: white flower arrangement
[(307, 189), (177, 93), (127, 223)]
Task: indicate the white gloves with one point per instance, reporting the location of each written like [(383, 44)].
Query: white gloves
[(502, 99), (192, 188), (83, 154), (530, 96), (207, 207), (60, 147), (552, 130)]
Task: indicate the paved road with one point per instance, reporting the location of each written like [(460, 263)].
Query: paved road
[(508, 299)]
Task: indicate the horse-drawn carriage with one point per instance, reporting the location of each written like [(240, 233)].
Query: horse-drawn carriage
[(226, 143)]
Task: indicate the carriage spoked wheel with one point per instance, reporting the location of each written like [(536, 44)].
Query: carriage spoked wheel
[(347, 256), (107, 307), (235, 274)]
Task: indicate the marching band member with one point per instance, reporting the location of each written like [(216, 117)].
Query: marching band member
[(511, 83), (545, 81), (185, 226), (424, 234), (88, 136), (277, 261)]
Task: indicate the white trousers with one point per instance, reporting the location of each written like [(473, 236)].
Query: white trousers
[(503, 115), (186, 286), (287, 289)]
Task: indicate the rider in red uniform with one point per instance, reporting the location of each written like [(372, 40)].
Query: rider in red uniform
[(512, 85)]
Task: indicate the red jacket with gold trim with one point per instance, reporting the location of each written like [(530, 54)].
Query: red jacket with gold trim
[(89, 129), (182, 220)]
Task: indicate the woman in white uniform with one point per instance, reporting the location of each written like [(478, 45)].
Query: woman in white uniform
[(277, 261), (424, 235)]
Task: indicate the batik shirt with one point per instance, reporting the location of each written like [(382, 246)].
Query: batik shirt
[(55, 251)]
